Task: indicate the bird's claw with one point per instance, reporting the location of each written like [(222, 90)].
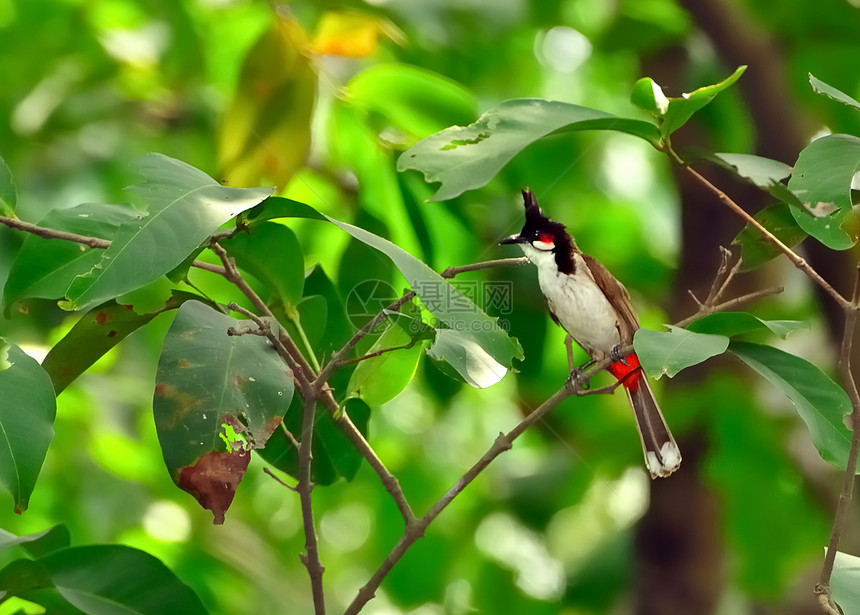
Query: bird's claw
[(576, 380), (617, 356)]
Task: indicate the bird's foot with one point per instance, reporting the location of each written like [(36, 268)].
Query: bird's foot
[(616, 355)]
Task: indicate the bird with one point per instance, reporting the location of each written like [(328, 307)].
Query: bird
[(596, 311)]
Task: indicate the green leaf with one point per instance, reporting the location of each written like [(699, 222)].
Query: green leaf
[(40, 543), (334, 455), (464, 158), (668, 352), (264, 135), (279, 207), (756, 248), (845, 582), (820, 87), (8, 193), (383, 378), (27, 411), (271, 253), (649, 96), (731, 324), (185, 206), (682, 109), (474, 328), (822, 180), (415, 100), (95, 334), (44, 268), (467, 357), (209, 382), (106, 580), (820, 402), (337, 326), (761, 171)]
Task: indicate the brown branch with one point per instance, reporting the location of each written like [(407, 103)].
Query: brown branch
[(416, 530), (311, 558), (705, 310), (47, 233), (822, 587), (797, 260), (271, 474), (450, 272), (377, 353)]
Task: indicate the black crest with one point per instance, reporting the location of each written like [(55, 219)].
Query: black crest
[(537, 224)]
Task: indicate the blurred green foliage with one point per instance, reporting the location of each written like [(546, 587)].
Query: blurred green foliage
[(88, 86)]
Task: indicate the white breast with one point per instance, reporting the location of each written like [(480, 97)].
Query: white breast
[(580, 306)]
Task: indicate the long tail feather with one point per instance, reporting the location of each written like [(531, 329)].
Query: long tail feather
[(662, 455)]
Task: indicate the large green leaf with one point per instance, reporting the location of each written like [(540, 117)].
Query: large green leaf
[(415, 100), (756, 248), (820, 402), (845, 582), (668, 352), (820, 87), (822, 180), (8, 193), (185, 206), (217, 396), (382, 378), (95, 334), (761, 171), (334, 455), (463, 158), (738, 323), (477, 344), (477, 337), (271, 253), (40, 543), (44, 268), (27, 411), (104, 580)]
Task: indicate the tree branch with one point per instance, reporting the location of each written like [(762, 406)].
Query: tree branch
[(822, 587), (416, 530), (793, 256), (311, 558)]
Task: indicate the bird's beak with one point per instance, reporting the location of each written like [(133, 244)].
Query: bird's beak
[(513, 239)]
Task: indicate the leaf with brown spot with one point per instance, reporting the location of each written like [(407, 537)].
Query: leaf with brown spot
[(216, 396), (213, 480), (95, 334)]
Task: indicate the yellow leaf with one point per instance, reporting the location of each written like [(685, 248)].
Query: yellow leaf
[(353, 34), (265, 134)]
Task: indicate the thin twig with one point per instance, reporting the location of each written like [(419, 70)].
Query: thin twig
[(416, 530), (279, 480), (793, 256), (822, 587), (311, 558), (450, 272), (726, 305), (47, 233), (377, 353)]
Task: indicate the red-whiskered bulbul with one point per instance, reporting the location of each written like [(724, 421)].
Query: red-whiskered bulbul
[(596, 311)]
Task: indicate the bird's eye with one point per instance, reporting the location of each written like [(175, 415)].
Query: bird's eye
[(546, 238)]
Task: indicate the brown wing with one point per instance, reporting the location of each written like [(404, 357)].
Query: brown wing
[(618, 297)]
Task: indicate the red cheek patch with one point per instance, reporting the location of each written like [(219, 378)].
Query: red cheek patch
[(547, 238)]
